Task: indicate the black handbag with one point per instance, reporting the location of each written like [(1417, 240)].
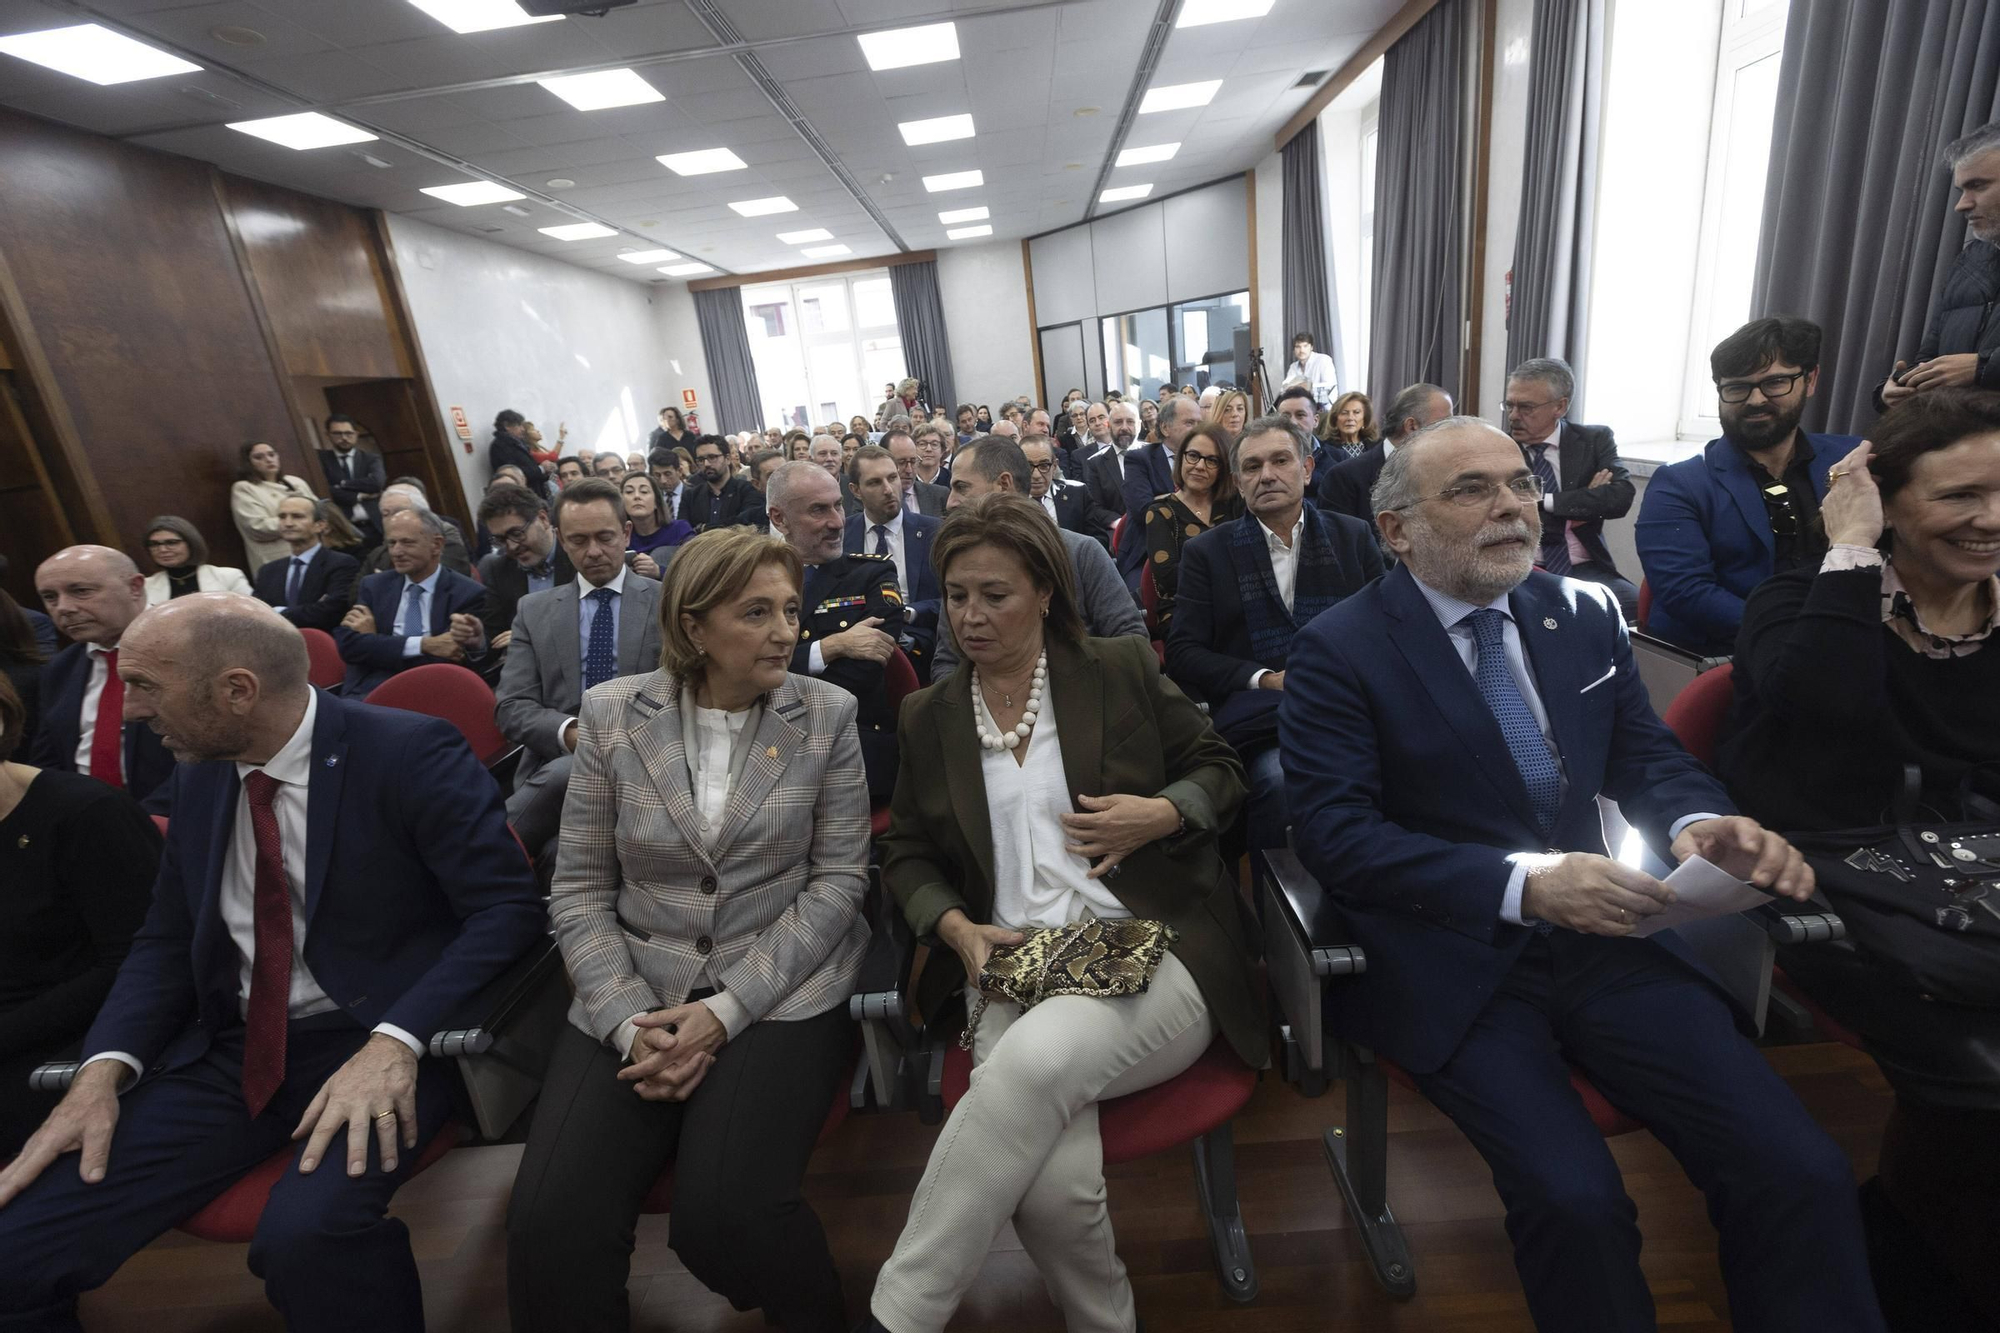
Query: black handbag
[(1923, 898)]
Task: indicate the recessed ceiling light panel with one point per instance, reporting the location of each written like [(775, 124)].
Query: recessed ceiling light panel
[(805, 237), (825, 251), (1123, 192), (1195, 13), (757, 208), (954, 180), (648, 256), (609, 87), (1177, 96), (471, 194), (901, 47), (579, 231), (1159, 152), (939, 129), (979, 214), (92, 52), (967, 233), (701, 162), (308, 129), (685, 270), (480, 15)]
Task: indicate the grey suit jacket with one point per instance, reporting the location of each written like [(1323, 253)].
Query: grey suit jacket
[(646, 902), (541, 684), (1103, 600)]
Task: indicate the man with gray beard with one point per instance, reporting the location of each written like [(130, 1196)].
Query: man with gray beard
[(1445, 734), (1961, 343)]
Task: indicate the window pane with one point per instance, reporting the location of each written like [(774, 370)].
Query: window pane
[(1208, 332), (874, 304), (1748, 154), (823, 306)]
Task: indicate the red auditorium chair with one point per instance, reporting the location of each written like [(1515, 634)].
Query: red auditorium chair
[(1117, 531), (899, 679), (1645, 604), (327, 670), (456, 694)]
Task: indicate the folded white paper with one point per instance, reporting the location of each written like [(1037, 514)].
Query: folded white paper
[(1701, 890)]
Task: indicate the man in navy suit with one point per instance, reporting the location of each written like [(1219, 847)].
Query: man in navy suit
[(1065, 501), (339, 884), (1583, 481), (93, 593), (1345, 486), (354, 476), (1149, 471), (885, 527), (1712, 528), (1246, 589), (312, 587), (1446, 733), (415, 611)]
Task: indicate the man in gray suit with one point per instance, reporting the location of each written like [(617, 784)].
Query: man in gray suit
[(567, 639), (995, 463)]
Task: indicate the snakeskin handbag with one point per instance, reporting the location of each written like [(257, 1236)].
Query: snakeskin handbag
[(1102, 959)]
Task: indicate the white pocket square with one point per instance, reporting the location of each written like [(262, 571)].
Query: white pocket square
[(1609, 672)]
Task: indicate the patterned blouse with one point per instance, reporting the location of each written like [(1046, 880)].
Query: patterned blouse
[(1170, 525), (1899, 612)]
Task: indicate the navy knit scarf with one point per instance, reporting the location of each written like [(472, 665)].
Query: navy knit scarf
[(1317, 587)]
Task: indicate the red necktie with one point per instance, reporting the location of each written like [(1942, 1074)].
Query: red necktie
[(107, 738), (271, 962)]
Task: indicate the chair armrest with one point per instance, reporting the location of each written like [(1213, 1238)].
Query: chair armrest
[(55, 1076), (1305, 949), (1799, 927), (880, 1005), (487, 1017)]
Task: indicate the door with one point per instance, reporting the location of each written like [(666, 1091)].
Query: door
[(1063, 366), (395, 426)]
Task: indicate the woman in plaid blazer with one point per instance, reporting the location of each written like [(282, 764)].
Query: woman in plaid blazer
[(707, 898)]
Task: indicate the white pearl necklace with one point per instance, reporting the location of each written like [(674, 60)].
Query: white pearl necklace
[(990, 735)]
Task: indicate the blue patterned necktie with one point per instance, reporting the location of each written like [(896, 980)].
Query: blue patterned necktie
[(881, 539), (1525, 742), (600, 655), (413, 611), (1555, 539), (292, 584)]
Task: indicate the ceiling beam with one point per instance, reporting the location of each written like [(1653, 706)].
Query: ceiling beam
[(812, 270), (1142, 79), (1404, 19)]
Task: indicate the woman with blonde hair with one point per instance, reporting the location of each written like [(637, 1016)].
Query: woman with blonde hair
[(1229, 411), (1350, 424)]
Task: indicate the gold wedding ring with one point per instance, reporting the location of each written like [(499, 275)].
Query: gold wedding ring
[(1835, 474), (385, 1115)]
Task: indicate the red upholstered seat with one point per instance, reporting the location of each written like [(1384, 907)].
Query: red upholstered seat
[(231, 1216), (1206, 1094), (660, 1198), (1697, 713), (1117, 533), (1645, 604), (449, 691), (327, 670), (1610, 1121)]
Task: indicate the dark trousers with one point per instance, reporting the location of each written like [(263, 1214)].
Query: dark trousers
[(330, 1257), (1660, 1045), (738, 1149)]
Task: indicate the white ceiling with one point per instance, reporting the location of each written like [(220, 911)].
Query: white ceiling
[(1045, 82)]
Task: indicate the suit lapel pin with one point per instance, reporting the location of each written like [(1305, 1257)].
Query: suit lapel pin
[(23, 842), (1548, 622), (332, 761), (771, 753)]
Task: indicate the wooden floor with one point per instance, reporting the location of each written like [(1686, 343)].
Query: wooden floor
[(1313, 1276)]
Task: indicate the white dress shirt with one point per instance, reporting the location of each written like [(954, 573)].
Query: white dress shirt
[(346, 456), (413, 635), (1048, 503), (894, 528), (291, 768), (586, 613), (1284, 569), (1578, 553), (1317, 371), (93, 695)]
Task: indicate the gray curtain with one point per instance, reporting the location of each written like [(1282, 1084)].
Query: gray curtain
[(920, 319), (1308, 287), (1858, 229), (726, 346), (1416, 327), (1553, 239)]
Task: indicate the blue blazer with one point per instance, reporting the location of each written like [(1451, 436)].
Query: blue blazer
[(1406, 803), (416, 894), (1149, 471), (149, 764), (1705, 539), (373, 658), (926, 594)]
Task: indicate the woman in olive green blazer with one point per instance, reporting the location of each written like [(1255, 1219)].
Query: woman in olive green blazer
[(1107, 803)]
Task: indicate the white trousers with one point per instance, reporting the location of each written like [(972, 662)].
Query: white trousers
[(1023, 1144)]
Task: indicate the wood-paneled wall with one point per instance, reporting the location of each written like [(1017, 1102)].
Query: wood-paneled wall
[(156, 311)]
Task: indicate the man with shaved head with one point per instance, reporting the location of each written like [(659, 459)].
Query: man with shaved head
[(1446, 733), (339, 884), (92, 594)]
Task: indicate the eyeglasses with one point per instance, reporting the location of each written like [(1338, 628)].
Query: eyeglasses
[(162, 543), (1512, 405), (1771, 386), (344, 434), (1039, 468), (1467, 494), (516, 536), (708, 458), (1194, 458)]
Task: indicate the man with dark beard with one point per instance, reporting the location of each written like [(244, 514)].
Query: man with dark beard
[(1445, 734), (1713, 527)]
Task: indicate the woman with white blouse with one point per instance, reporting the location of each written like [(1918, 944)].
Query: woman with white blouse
[(261, 482), (177, 547)]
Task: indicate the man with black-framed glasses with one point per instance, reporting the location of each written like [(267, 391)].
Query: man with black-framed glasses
[(354, 477), (1583, 481), (1712, 528), (720, 499), (525, 557)]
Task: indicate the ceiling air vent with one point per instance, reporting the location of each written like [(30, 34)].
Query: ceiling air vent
[(1312, 78)]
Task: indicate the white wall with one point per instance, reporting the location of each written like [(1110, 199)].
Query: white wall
[(984, 291), (678, 358), (561, 345)]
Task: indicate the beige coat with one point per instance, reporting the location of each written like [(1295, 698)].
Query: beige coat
[(254, 506)]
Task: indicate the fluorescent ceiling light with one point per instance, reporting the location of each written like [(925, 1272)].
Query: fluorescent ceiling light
[(1175, 96), (473, 193), (910, 46), (939, 129), (308, 129), (805, 237), (1123, 192), (611, 87), (93, 52), (954, 180), (757, 208), (701, 162), (479, 15), (648, 256), (685, 270), (579, 231), (1159, 152), (967, 233), (979, 214), (1195, 13), (825, 251)]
